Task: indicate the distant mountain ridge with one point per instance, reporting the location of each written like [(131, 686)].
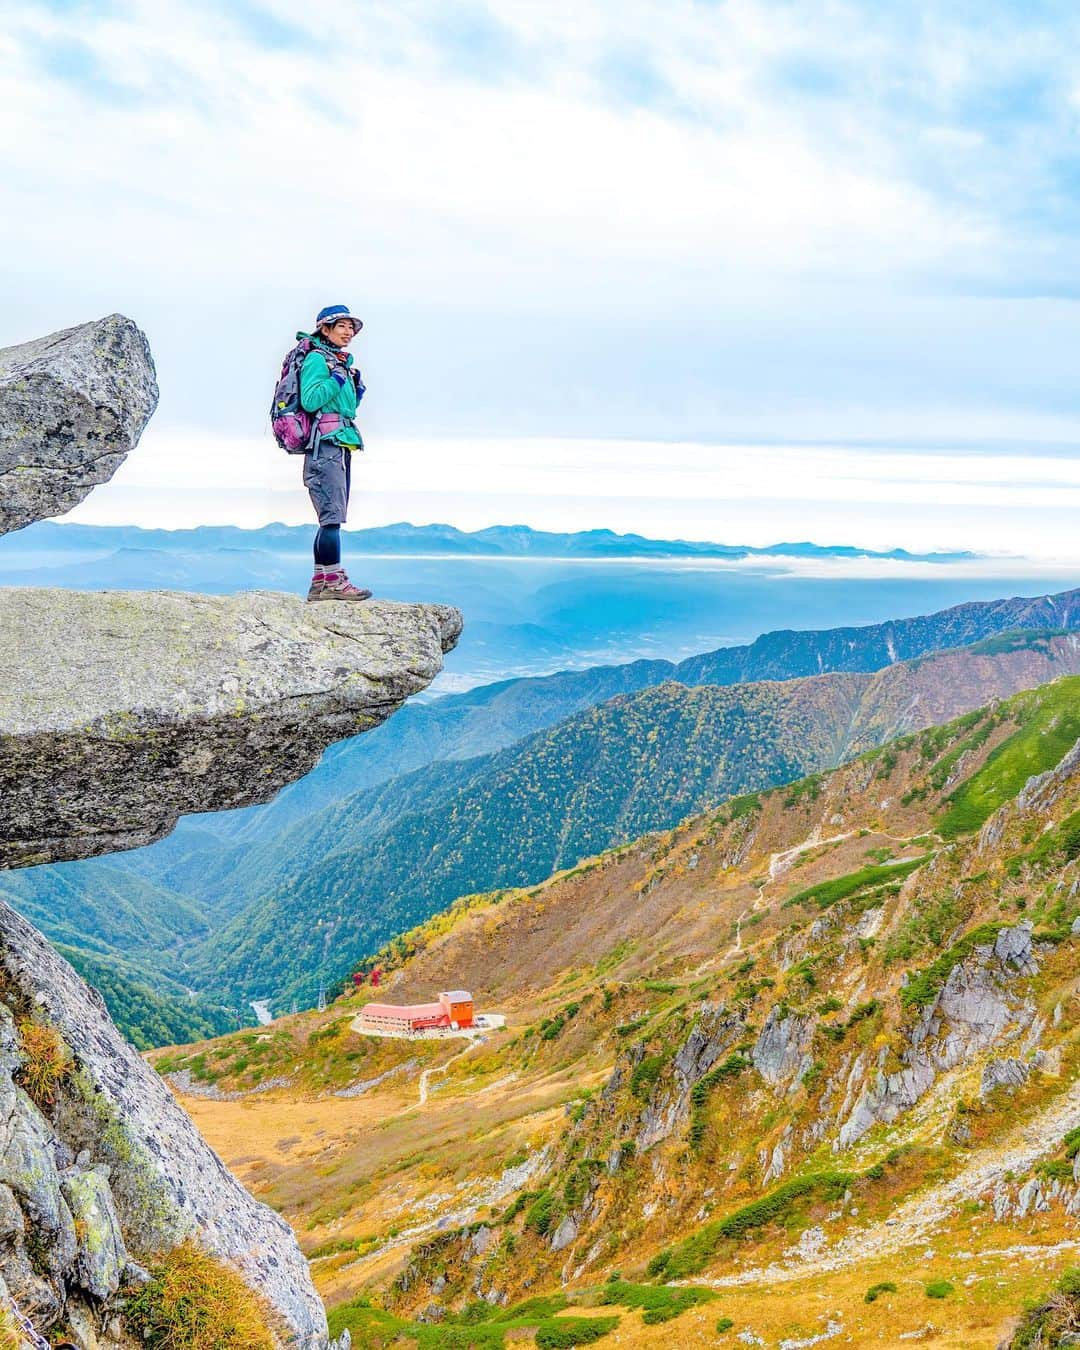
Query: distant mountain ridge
[(495, 541), (337, 887), (482, 720)]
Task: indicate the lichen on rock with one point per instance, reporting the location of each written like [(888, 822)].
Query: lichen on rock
[(117, 1168)]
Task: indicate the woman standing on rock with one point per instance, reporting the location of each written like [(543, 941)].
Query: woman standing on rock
[(330, 389)]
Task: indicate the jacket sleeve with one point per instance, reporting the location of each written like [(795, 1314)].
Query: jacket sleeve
[(317, 389)]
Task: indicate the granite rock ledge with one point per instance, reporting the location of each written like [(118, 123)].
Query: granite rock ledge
[(122, 710), (72, 407)]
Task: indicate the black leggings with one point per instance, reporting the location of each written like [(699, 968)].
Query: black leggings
[(328, 545)]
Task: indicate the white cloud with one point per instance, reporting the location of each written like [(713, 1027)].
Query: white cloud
[(750, 220), (528, 186), (942, 500)]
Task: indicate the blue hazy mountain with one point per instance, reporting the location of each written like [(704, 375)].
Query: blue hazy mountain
[(505, 541)]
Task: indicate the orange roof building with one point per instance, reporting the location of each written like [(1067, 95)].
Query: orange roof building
[(454, 1011)]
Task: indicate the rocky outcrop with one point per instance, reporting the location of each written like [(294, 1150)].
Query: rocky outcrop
[(1003, 1073), (72, 406), (116, 1170), (781, 1053), (976, 1008), (713, 1035), (120, 711)]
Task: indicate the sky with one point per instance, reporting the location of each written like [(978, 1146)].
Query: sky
[(718, 268)]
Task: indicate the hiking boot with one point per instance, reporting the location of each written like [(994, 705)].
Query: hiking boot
[(337, 586), (316, 588)]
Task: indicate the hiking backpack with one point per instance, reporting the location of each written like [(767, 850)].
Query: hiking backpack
[(295, 429), (292, 425)]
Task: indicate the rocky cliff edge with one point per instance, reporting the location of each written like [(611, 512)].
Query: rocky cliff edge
[(120, 711)]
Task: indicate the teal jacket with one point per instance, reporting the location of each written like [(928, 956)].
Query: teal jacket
[(321, 394)]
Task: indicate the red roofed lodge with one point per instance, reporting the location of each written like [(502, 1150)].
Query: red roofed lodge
[(453, 1012)]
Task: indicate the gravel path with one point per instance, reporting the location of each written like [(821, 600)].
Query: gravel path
[(916, 1218)]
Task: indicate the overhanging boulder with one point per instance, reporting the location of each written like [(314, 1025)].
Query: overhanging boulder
[(122, 710), (72, 406)]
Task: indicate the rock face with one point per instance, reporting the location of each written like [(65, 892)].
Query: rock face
[(715, 1032), (116, 1167), (976, 1008), (72, 406), (120, 711), (781, 1053)]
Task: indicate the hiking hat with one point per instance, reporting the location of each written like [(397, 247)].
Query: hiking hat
[(332, 313)]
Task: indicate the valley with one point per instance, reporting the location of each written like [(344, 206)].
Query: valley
[(271, 904), (816, 1042)]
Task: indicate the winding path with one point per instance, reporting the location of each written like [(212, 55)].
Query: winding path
[(425, 1077)]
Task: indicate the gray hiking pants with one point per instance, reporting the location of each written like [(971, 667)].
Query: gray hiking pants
[(328, 477)]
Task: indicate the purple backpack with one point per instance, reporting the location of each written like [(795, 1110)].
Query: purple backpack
[(293, 427)]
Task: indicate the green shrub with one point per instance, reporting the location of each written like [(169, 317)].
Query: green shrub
[(731, 1067), (480, 1310), (724, 1324), (939, 1289), (1069, 1284), (862, 1011), (876, 1290), (645, 1076), (543, 1214), (659, 1303), (543, 1307), (579, 1182), (628, 1028), (691, 1255), (827, 893), (1055, 1321), (572, 1331), (516, 1205), (738, 807)]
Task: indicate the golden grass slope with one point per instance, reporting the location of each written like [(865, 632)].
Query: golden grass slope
[(827, 918)]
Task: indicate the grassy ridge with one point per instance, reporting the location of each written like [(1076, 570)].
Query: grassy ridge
[(1049, 726), (827, 893)]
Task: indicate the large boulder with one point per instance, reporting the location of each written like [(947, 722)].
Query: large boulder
[(120, 711), (72, 406)]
